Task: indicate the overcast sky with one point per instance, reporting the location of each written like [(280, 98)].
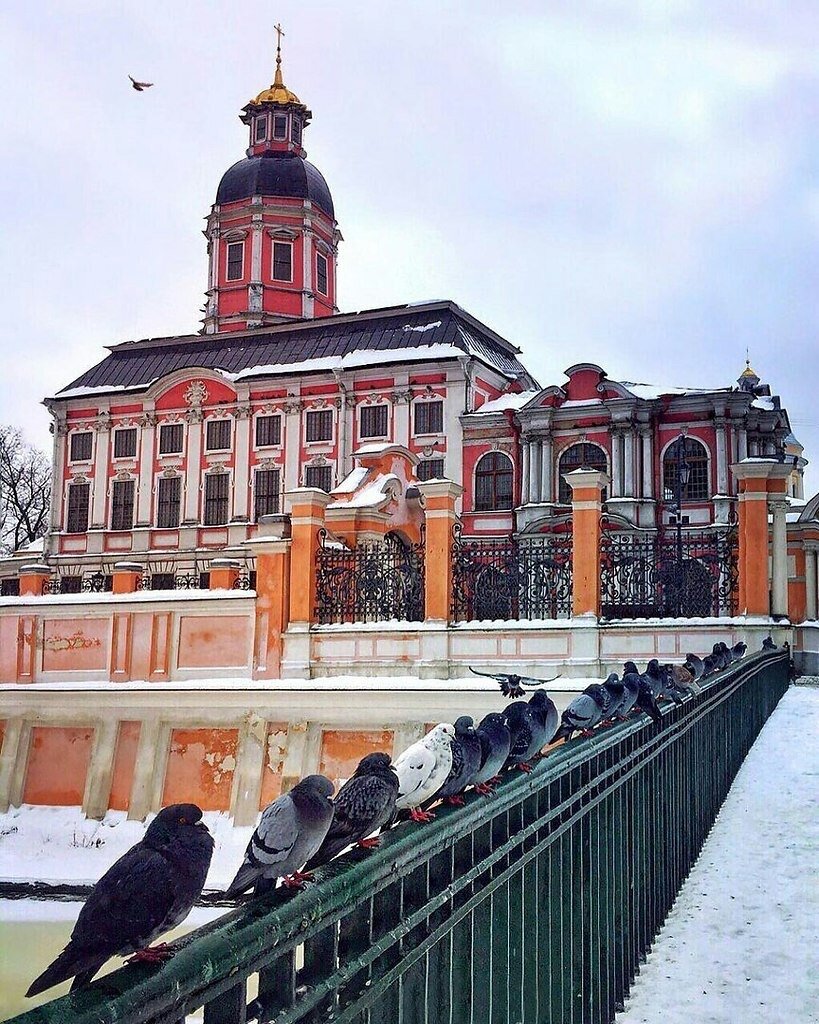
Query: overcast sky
[(629, 182)]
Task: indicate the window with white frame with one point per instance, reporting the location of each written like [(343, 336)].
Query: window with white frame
[(282, 261), (78, 502), (217, 437), (373, 421), (235, 261), (579, 456), (265, 493), (171, 437), (81, 444), (493, 482), (268, 431), (319, 476), (122, 504), (217, 499), (125, 443), (261, 128), (319, 425), (694, 455), (429, 417), (280, 126), (168, 504), (321, 273), (429, 469)]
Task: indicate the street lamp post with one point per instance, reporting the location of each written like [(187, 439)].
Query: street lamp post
[(683, 475)]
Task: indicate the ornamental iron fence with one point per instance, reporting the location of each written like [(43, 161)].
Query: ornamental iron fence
[(667, 574), (193, 580), (528, 577), (95, 583), (371, 582), (538, 904)]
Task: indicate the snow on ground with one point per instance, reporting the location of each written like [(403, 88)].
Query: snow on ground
[(59, 845), (739, 943)]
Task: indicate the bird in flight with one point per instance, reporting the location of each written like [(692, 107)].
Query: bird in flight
[(140, 86)]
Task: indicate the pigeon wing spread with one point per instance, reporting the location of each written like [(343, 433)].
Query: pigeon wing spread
[(270, 852)]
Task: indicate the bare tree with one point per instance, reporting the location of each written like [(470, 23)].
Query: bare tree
[(25, 490)]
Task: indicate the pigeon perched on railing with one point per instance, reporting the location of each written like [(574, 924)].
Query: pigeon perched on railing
[(289, 833), (631, 691), (512, 685), (584, 712), (364, 804), (466, 759), (148, 891), (616, 690), (695, 665), (532, 725), (768, 644), (495, 739), (421, 770), (739, 650)]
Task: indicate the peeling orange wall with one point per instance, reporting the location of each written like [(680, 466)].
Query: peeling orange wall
[(201, 763), (124, 761), (57, 765), (275, 744), (342, 749), (75, 644), (208, 640)]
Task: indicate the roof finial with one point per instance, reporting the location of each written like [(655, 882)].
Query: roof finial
[(278, 80)]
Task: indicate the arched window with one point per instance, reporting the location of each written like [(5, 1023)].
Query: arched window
[(695, 456), (586, 456), (493, 482)]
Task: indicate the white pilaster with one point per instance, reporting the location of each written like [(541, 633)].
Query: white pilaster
[(401, 410), (307, 271), (525, 476), (147, 432), (292, 444), (98, 507), (616, 464), (454, 404), (535, 460), (241, 482), (57, 465), (742, 444), (193, 470), (648, 464), (256, 253), (779, 589), (722, 460), (546, 456), (811, 597), (628, 476)]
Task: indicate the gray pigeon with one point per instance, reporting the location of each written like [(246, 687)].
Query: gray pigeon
[(512, 685), (148, 891), (584, 712), (531, 725), (422, 768), (738, 650), (365, 803), (289, 833), (466, 759), (493, 732), (695, 665), (616, 690), (768, 644), (631, 691)]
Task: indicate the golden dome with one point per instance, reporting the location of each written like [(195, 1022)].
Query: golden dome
[(749, 371), (278, 91)]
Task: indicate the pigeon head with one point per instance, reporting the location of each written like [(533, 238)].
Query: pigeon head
[(613, 682), (442, 733), (313, 786), (630, 667), (653, 669), (463, 724), (540, 698), (374, 764), (170, 820), (493, 718), (646, 701), (631, 681)]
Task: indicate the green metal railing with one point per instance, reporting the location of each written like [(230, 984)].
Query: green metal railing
[(536, 904)]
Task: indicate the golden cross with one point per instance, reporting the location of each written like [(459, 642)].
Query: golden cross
[(279, 33)]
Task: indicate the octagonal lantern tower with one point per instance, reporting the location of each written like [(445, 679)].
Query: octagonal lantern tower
[(272, 234)]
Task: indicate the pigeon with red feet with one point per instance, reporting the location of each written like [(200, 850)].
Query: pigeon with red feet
[(364, 804), (289, 833), (421, 770), (145, 893), (466, 759), (495, 740)]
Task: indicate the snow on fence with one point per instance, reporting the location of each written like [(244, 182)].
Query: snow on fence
[(539, 903)]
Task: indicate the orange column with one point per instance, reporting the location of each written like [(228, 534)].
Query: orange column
[(32, 579), (223, 573), (587, 487), (271, 547), (307, 517), (125, 577), (440, 516), (758, 481)]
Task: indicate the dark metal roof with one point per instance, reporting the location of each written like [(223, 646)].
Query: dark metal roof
[(275, 174), (136, 364)]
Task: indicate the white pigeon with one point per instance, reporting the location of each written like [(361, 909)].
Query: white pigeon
[(422, 770)]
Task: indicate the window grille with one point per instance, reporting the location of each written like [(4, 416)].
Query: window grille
[(122, 505), (218, 435), (78, 495), (280, 126), (295, 131), (170, 439), (319, 476), (373, 421), (235, 261), (125, 443), (282, 261), (261, 128), (429, 469), (320, 425), (321, 273), (168, 502), (587, 456), (695, 455), (10, 587), (266, 494), (81, 446), (493, 482), (217, 499), (429, 417), (268, 431)]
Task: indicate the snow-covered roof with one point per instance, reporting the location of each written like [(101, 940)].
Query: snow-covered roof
[(511, 400), (648, 392)]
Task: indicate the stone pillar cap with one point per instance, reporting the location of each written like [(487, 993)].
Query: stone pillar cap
[(34, 568), (439, 488), (307, 496), (225, 563), (583, 477), (127, 567)]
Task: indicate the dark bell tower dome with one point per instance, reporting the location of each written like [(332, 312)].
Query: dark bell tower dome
[(272, 234)]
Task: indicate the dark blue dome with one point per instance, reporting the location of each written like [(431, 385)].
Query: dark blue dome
[(275, 174)]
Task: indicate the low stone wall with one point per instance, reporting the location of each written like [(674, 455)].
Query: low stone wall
[(806, 648)]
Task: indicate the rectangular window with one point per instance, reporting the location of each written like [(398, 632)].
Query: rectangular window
[(81, 446), (122, 504), (125, 443), (168, 502), (320, 425), (261, 129), (295, 131), (170, 439), (266, 495), (282, 261), (373, 421), (217, 499), (319, 476), (10, 587), (321, 273), (70, 584), (430, 469), (235, 261), (77, 508), (268, 431), (429, 418), (218, 436), (280, 126)]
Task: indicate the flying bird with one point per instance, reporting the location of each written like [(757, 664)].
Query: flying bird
[(289, 833), (140, 86), (495, 739), (421, 770), (466, 759), (145, 893), (512, 685), (364, 804)]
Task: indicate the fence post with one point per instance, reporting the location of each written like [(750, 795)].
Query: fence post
[(307, 516), (439, 509), (587, 487), (223, 573), (271, 546), (32, 579), (125, 577), (760, 481)]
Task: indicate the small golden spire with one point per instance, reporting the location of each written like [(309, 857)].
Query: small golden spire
[(278, 91), (278, 80)]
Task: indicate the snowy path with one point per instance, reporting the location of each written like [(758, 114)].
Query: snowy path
[(740, 943)]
